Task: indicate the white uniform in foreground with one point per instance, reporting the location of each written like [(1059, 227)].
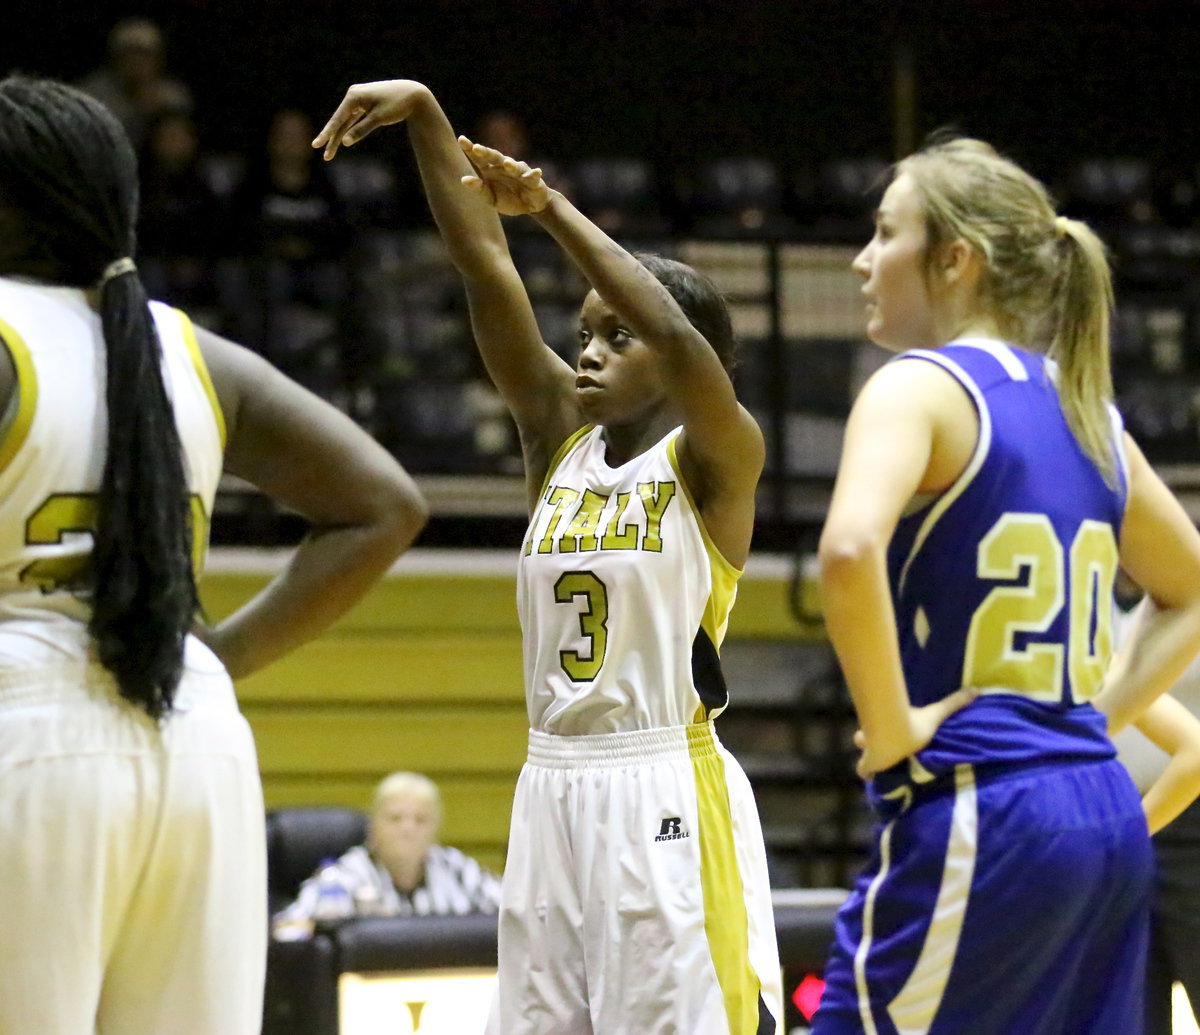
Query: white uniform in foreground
[(131, 854), (636, 855)]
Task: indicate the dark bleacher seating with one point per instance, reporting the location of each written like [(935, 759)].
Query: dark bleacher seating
[(366, 187), (299, 839), (620, 195), (1109, 193), (847, 192), (740, 198)]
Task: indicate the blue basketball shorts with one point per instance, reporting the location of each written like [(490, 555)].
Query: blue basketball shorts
[(1011, 902)]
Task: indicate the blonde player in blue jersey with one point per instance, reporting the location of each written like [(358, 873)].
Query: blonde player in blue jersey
[(132, 855), (985, 498), (635, 892)]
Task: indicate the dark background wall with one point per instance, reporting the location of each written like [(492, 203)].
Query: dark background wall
[(797, 81)]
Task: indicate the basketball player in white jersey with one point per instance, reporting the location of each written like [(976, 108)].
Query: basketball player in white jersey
[(635, 892), (132, 862)]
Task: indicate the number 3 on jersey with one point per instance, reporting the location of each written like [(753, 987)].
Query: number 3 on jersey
[(1084, 584), (593, 623)]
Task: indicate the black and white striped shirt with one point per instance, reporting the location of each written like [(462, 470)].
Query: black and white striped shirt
[(453, 884)]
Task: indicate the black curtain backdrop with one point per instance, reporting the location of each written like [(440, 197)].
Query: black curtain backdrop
[(1050, 82)]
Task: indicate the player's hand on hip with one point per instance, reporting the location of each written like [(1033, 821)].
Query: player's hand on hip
[(923, 723), (513, 188), (365, 108)]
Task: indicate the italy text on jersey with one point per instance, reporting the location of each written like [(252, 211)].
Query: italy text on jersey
[(570, 521)]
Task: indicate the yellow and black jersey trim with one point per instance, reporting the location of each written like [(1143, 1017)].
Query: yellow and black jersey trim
[(724, 575), (14, 436), (193, 347), (560, 454)]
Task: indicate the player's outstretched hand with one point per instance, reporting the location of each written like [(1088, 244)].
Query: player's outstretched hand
[(513, 188), (923, 723), (365, 108)]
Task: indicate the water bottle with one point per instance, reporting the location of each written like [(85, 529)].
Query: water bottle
[(334, 901)]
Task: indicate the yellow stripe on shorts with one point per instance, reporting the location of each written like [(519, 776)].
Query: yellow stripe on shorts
[(725, 922)]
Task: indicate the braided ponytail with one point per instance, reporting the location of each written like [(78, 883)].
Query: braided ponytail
[(68, 177)]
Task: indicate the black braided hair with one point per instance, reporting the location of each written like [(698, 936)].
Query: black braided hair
[(69, 200)]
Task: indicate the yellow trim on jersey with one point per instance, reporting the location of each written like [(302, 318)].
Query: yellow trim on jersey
[(27, 393), (726, 925), (193, 347), (982, 446), (723, 574), (560, 454)]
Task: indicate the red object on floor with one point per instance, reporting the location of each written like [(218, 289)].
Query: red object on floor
[(807, 995)]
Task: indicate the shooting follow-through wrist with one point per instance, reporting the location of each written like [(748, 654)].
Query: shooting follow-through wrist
[(552, 208)]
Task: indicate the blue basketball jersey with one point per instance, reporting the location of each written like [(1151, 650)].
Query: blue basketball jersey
[(1004, 582), (1009, 886)]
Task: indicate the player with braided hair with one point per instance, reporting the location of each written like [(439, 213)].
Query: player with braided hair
[(132, 856)]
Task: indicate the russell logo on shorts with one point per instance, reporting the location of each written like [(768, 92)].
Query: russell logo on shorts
[(671, 829)]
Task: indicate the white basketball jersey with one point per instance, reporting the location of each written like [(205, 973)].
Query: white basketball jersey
[(52, 459), (623, 598)]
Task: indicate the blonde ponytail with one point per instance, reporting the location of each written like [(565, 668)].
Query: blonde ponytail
[(1046, 279), (1083, 302)]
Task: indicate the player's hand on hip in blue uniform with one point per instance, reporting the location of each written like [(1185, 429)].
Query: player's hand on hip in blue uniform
[(923, 723)]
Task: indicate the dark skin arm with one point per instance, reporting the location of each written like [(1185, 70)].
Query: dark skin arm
[(721, 449), (536, 385), (363, 507)]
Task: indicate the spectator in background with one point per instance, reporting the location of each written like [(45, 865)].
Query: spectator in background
[(133, 83), (292, 210), (293, 233), (183, 221), (505, 131), (401, 870)]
